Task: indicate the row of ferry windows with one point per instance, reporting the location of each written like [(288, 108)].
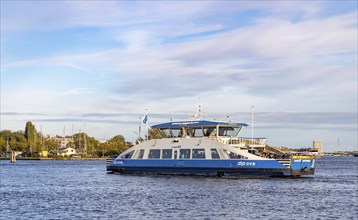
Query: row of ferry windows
[(199, 132), (183, 154)]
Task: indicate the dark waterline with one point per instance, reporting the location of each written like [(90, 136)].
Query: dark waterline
[(83, 189)]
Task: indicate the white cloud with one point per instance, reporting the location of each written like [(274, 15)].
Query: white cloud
[(285, 56), (78, 91)]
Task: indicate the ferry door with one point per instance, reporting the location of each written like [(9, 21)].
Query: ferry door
[(176, 154)]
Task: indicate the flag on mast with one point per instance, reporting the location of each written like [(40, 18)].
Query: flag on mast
[(145, 119)]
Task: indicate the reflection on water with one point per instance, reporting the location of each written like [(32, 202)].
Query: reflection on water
[(83, 189)]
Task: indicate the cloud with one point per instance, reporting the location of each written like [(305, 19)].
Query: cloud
[(78, 91), (120, 58)]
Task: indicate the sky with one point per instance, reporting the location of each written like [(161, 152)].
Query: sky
[(96, 66)]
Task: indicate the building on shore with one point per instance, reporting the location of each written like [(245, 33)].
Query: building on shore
[(319, 146), (66, 151)]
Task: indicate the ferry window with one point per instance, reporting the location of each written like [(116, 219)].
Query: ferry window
[(198, 154), (167, 154), (184, 154), (154, 153), (233, 132), (175, 132), (209, 132), (156, 133), (214, 154), (197, 132), (229, 131), (141, 154), (136, 154), (165, 132), (222, 131), (128, 155), (170, 132), (231, 155)]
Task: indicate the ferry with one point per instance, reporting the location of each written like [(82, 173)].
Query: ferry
[(207, 148)]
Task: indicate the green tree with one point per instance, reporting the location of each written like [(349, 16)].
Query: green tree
[(16, 141), (4, 140), (116, 145), (32, 137), (51, 145), (79, 141), (19, 142), (87, 146), (93, 146)]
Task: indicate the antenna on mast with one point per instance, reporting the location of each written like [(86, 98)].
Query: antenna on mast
[(252, 125), (197, 116), (200, 111)]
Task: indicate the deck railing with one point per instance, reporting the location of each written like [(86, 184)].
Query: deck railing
[(247, 141)]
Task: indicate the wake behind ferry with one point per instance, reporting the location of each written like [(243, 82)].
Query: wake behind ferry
[(206, 148)]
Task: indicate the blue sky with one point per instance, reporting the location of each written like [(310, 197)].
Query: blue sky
[(98, 65)]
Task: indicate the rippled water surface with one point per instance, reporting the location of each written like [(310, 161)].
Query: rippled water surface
[(83, 189)]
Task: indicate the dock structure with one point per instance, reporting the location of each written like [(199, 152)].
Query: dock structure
[(13, 157)]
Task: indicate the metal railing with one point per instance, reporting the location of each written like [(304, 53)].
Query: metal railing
[(247, 141)]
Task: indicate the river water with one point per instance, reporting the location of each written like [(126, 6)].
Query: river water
[(83, 190)]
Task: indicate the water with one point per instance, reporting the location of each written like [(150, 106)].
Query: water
[(83, 190)]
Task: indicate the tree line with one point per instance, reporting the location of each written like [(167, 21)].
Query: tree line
[(33, 142)]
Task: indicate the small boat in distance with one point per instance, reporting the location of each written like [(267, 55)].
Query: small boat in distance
[(206, 148)]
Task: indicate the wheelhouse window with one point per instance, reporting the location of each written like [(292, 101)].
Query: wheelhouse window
[(209, 131), (184, 154), (214, 154), (128, 155), (198, 154), (229, 131), (196, 132), (154, 154), (167, 154), (141, 154), (175, 132), (171, 132), (157, 133)]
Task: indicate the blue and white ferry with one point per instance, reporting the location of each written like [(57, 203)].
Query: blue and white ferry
[(207, 148)]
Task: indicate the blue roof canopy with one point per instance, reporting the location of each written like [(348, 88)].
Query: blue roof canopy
[(201, 123)]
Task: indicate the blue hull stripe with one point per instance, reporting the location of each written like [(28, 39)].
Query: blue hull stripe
[(201, 167), (271, 164), (203, 171)]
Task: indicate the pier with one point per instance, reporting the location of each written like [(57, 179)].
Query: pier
[(13, 157)]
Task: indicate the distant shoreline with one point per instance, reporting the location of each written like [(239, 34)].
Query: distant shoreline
[(34, 158)]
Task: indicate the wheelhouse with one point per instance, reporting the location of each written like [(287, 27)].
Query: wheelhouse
[(198, 129)]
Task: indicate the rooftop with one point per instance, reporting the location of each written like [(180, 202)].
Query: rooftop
[(199, 123)]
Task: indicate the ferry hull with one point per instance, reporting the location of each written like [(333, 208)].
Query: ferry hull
[(220, 168)]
